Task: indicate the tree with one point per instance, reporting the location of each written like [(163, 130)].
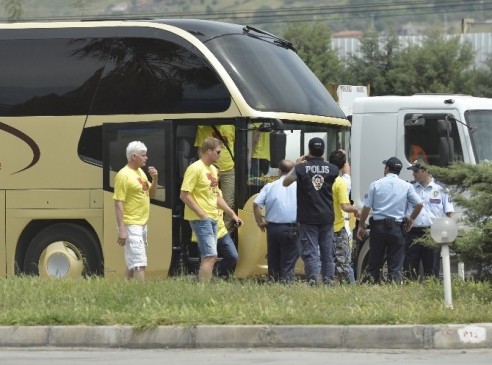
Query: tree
[(439, 65), (379, 64), (313, 44), (481, 80), (472, 191), (13, 9)]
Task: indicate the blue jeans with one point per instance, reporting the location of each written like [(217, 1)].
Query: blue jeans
[(317, 246), (226, 248), (206, 236)]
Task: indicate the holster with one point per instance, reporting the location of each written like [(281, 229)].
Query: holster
[(294, 230), (403, 226), (389, 222)]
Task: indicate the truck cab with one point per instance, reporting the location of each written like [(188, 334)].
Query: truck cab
[(440, 129)]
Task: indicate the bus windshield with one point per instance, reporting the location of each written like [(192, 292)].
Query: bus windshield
[(277, 81), (263, 170), (480, 120)]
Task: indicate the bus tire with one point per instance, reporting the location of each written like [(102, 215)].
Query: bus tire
[(63, 250)]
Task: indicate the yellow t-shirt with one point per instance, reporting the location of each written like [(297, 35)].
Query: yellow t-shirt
[(340, 196), (201, 182), (132, 188), (221, 228), (262, 148), (228, 132)]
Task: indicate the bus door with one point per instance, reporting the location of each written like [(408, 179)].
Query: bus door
[(190, 134), (158, 138)]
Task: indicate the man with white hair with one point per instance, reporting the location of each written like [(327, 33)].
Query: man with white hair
[(132, 193)]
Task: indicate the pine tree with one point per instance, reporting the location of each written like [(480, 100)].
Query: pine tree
[(471, 188)]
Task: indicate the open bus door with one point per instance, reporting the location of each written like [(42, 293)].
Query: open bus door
[(158, 138)]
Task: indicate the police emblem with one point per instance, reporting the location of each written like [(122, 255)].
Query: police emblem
[(435, 193), (318, 181)]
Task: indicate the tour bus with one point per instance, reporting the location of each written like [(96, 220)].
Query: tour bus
[(74, 94)]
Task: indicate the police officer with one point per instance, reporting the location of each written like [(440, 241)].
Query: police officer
[(315, 178), (388, 198), (280, 223), (437, 203)]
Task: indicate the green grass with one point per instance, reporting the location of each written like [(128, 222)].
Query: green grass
[(28, 301)]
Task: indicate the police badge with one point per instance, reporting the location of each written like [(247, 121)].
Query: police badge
[(318, 181)]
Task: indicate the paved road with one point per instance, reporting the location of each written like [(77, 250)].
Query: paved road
[(55, 356)]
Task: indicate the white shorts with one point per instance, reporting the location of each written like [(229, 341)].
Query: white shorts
[(136, 240)]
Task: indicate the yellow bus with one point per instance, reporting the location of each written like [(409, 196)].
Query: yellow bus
[(73, 94)]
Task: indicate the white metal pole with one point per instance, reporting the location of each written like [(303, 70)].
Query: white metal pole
[(446, 271)]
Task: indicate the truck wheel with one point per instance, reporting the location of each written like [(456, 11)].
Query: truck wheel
[(363, 260), (63, 250)]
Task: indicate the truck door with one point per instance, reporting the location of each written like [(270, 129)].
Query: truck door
[(430, 136)]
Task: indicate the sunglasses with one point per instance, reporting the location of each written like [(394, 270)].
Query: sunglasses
[(216, 151)]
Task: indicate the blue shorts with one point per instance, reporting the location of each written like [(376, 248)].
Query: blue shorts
[(206, 236)]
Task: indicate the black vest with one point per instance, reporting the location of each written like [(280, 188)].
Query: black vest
[(315, 179)]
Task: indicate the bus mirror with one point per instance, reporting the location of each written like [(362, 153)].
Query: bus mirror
[(271, 125), (278, 143)]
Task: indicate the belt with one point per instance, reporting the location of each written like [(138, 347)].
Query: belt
[(380, 221), (418, 229), (283, 224)]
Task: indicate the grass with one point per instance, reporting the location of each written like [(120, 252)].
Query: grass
[(29, 301)]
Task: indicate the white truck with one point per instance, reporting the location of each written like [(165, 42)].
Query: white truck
[(438, 128)]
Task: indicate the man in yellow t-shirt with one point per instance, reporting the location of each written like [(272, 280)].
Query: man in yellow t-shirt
[(260, 157), (132, 193), (225, 247), (225, 163), (341, 204), (200, 194)]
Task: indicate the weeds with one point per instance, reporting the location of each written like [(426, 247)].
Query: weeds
[(179, 301)]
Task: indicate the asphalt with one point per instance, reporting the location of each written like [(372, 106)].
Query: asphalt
[(450, 336)]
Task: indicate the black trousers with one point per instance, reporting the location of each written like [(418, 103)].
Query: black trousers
[(385, 241), (414, 254), (282, 252)]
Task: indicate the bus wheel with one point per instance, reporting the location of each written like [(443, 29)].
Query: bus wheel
[(63, 250)]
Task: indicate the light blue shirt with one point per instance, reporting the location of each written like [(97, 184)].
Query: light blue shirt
[(388, 197), (436, 203), (280, 201)]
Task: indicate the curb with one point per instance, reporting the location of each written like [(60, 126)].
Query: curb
[(453, 336)]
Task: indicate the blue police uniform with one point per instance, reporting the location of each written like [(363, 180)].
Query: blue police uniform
[(388, 198), (436, 204), (280, 203), (315, 214)]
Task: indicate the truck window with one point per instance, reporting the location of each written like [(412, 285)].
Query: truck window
[(435, 140), (481, 135)]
